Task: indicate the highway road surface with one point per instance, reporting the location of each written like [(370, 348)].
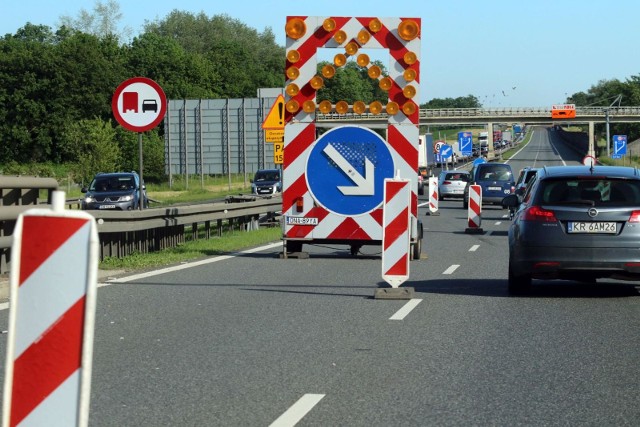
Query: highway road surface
[(255, 340)]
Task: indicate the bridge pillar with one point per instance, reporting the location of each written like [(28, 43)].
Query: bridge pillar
[(491, 154), (591, 151)]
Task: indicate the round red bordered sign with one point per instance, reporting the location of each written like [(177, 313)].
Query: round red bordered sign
[(139, 104), (589, 161)]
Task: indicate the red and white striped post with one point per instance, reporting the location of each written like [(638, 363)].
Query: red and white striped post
[(433, 195), (396, 238), (474, 212), (53, 281)]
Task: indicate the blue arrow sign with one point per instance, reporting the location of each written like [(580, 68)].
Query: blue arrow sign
[(446, 151), (465, 143), (346, 170), (619, 145)]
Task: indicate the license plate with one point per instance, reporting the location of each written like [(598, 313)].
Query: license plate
[(300, 220), (106, 207), (494, 188), (591, 227)]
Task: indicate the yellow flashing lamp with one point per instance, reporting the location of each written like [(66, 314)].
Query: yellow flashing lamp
[(293, 72), (292, 106), (324, 107), (342, 107), (392, 108), (359, 107), (408, 29), (292, 89), (293, 56), (295, 28), (316, 82), (340, 37), (351, 48), (374, 71), (375, 107), (409, 91), (329, 24), (340, 59), (363, 37), (410, 74), (375, 25), (409, 108), (328, 71), (308, 106), (385, 83), (410, 58), (363, 60)]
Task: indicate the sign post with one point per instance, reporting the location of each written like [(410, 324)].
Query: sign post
[(139, 104)]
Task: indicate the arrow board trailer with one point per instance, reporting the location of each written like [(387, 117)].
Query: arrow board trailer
[(333, 184)]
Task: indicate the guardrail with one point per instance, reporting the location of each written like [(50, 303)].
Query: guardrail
[(155, 229)]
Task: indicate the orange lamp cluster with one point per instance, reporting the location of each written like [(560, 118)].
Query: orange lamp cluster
[(408, 30)]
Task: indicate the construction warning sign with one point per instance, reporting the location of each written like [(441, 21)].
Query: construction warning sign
[(275, 118)]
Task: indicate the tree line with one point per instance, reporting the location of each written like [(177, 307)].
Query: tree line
[(56, 84)]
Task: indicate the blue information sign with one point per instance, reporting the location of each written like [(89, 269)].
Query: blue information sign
[(465, 143), (446, 151), (619, 145), (346, 170)]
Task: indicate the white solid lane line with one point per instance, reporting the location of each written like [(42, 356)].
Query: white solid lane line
[(406, 309), (451, 269), (299, 409), (474, 248)]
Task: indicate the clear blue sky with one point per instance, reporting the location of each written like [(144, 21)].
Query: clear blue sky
[(508, 53)]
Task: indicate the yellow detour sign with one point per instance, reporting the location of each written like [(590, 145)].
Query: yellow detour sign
[(274, 122), (278, 153)]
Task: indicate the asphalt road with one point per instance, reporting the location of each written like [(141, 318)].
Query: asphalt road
[(253, 339)]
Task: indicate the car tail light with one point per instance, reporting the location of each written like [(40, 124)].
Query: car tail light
[(446, 183), (635, 216), (299, 204), (536, 213), (513, 189)]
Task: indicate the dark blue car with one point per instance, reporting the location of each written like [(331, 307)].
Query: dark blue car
[(496, 181)]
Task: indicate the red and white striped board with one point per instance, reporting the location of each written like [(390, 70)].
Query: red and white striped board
[(433, 194), (474, 211), (300, 127), (53, 281), (396, 237)]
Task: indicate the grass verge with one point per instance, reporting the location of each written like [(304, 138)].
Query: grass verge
[(193, 250)]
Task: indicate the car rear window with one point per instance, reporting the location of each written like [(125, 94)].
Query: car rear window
[(495, 173), (594, 192), (457, 176), (267, 176)]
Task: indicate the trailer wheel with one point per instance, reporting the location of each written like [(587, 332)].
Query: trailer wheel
[(293, 246), (416, 250)]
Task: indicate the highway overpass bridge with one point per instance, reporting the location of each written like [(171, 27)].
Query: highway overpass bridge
[(493, 116)]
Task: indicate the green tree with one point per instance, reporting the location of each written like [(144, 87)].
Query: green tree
[(469, 101), (103, 22), (351, 83), (91, 143)]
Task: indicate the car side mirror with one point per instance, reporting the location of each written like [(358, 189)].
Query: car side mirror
[(510, 201), (84, 189)]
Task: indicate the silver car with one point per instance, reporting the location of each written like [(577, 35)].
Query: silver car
[(576, 223), (452, 183)]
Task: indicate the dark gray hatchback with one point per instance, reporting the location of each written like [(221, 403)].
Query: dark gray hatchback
[(576, 223)]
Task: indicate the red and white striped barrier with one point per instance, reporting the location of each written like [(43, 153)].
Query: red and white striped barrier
[(53, 280), (474, 212), (433, 195), (396, 238)]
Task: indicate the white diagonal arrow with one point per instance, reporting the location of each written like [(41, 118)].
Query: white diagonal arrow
[(364, 184)]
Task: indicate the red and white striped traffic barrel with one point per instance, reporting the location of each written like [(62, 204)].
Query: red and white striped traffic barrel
[(433, 195), (53, 280), (474, 211), (396, 238)]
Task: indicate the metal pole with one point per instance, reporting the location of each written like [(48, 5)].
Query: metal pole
[(228, 146), (186, 147), (168, 133), (141, 195), (608, 136), (201, 151)]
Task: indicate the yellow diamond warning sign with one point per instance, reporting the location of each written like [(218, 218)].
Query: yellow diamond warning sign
[(275, 118)]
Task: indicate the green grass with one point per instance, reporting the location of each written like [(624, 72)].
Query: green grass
[(193, 250)]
